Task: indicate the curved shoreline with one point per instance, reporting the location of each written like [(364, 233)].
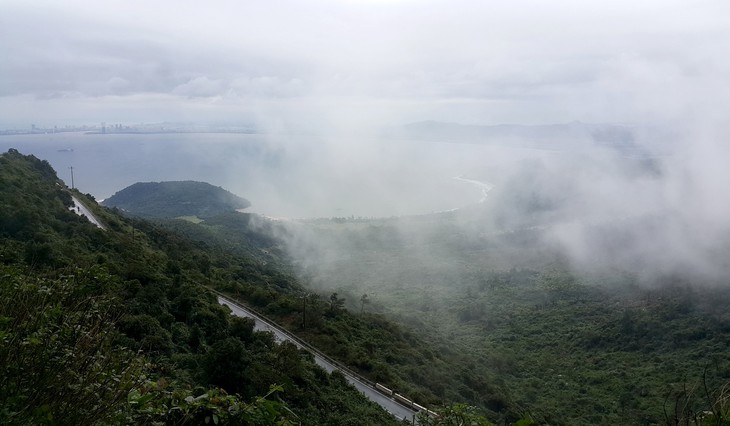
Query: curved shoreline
[(485, 186)]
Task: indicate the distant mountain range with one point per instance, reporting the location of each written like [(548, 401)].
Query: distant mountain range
[(544, 136), (175, 199)]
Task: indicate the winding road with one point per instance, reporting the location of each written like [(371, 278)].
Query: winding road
[(363, 385)]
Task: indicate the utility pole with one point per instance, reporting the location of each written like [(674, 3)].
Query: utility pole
[(304, 312), (363, 301), (72, 176)]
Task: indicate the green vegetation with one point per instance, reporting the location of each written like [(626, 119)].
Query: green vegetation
[(457, 415), (116, 327), (175, 199), (365, 341), (520, 333), (57, 355), (496, 320)]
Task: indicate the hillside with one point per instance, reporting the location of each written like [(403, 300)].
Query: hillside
[(175, 199), (117, 327), (499, 321), (495, 320), (557, 344)]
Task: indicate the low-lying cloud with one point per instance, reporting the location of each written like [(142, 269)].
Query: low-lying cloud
[(330, 79)]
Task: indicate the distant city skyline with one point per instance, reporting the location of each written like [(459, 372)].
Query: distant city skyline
[(121, 127)]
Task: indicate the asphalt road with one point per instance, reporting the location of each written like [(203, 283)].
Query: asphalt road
[(80, 209), (361, 384)]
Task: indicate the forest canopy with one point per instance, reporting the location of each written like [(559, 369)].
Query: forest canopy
[(175, 199)]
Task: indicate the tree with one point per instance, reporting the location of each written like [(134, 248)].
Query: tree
[(159, 403), (456, 415), (58, 361), (336, 303), (364, 300), (226, 363)]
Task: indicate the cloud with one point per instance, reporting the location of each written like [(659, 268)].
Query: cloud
[(267, 86), (524, 61), (343, 68), (199, 87)]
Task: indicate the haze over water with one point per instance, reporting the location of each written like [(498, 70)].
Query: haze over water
[(282, 176)]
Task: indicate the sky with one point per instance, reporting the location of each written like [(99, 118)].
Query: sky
[(329, 64)]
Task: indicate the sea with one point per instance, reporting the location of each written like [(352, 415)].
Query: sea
[(286, 176)]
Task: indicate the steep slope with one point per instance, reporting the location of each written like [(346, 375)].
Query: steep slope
[(116, 326)]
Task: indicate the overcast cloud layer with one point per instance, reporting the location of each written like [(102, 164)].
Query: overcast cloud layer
[(344, 63)]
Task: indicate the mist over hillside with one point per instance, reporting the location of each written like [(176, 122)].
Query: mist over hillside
[(660, 212), (589, 201), (539, 187), (569, 264)]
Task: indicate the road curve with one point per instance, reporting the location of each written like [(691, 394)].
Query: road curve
[(363, 385)]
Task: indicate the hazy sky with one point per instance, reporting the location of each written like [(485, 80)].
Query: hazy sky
[(359, 62)]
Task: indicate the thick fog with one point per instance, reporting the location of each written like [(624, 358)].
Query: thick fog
[(614, 153), (654, 210)]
